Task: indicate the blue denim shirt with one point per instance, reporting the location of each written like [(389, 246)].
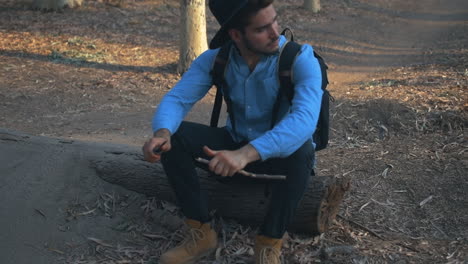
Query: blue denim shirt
[(253, 95)]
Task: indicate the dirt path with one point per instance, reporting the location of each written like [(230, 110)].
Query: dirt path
[(375, 36), (399, 76)]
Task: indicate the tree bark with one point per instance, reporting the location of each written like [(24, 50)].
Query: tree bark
[(55, 4), (312, 5), (123, 165), (193, 40)]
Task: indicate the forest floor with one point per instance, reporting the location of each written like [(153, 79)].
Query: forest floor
[(399, 76)]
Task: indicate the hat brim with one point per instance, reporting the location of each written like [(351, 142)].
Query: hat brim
[(222, 36), (219, 38)]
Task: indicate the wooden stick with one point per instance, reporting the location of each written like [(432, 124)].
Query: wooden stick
[(372, 232), (250, 174)]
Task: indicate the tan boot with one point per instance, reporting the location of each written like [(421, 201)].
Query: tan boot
[(201, 240), (267, 250)]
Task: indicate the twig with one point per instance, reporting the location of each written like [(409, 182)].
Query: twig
[(408, 247), (56, 251), (87, 212), (250, 174), (438, 229), (100, 242), (361, 226), (40, 212)]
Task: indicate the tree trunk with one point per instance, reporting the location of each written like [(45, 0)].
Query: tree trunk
[(312, 5), (55, 4), (124, 165), (193, 40)]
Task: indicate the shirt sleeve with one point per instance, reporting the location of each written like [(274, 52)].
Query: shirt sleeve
[(193, 86), (300, 122)]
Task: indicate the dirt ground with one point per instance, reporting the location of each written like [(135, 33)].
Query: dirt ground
[(399, 76)]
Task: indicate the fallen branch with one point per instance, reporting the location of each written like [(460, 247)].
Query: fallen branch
[(361, 226)]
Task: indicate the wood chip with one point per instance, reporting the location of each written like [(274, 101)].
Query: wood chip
[(362, 207), (425, 201), (385, 172), (56, 251), (87, 212)]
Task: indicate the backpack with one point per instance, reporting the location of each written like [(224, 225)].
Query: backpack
[(287, 56)]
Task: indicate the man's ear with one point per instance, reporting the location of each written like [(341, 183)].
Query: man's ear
[(235, 35)]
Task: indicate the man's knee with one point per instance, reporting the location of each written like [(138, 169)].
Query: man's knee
[(305, 155), (183, 131), (183, 137)]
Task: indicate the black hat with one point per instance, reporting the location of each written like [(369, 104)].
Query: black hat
[(224, 11)]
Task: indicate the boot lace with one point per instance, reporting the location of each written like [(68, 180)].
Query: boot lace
[(269, 255), (192, 238)]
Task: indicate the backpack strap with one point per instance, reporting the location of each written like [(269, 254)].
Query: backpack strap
[(287, 56), (217, 74), (286, 30), (285, 61), (323, 69)]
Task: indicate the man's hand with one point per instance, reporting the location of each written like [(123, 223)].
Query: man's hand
[(155, 146), (227, 163)]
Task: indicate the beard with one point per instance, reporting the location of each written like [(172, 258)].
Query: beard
[(248, 45)]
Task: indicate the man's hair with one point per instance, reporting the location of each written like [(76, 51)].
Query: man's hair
[(242, 19)]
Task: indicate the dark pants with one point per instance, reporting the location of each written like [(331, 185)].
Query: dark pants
[(179, 165)]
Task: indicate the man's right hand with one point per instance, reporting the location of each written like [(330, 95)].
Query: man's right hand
[(155, 146)]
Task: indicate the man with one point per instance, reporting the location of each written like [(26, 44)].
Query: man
[(249, 140)]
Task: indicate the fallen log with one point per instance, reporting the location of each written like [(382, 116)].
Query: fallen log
[(245, 203), (124, 165)]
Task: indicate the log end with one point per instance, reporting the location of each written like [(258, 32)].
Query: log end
[(330, 204), (320, 207)]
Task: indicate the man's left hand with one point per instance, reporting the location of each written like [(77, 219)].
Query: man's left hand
[(228, 162)]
